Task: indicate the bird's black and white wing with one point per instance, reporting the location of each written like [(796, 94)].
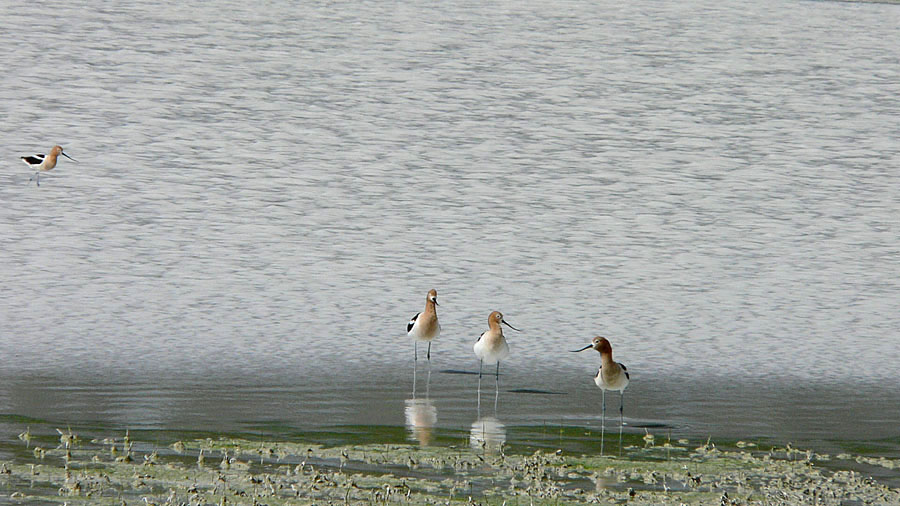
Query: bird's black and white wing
[(625, 369), (412, 322), (33, 160)]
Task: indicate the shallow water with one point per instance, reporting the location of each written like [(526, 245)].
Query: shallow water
[(153, 466), (263, 196)]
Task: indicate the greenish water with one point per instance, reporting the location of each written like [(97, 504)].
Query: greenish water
[(51, 464)]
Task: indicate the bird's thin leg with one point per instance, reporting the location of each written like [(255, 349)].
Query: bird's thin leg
[(416, 351), (496, 396), (479, 396), (498, 371), (428, 354), (480, 366), (602, 422), (621, 417), (414, 380)]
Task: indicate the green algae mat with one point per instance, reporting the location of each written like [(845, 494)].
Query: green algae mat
[(377, 465)]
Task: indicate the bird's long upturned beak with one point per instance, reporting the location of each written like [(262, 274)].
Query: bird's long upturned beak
[(67, 156), (586, 347), (510, 326)]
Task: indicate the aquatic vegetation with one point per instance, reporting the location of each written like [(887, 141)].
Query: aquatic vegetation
[(237, 469)]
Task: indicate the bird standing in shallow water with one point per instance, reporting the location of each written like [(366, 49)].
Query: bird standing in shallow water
[(491, 347), (611, 376), (424, 326), (43, 163)]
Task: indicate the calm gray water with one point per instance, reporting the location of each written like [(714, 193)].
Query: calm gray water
[(265, 193)]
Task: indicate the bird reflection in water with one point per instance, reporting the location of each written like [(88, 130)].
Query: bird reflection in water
[(421, 414), (488, 433)]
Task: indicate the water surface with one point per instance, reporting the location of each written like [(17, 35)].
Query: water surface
[(265, 194)]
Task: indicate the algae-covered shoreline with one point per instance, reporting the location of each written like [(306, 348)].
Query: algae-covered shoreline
[(370, 464)]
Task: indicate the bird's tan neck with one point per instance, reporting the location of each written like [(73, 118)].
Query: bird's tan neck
[(606, 360)]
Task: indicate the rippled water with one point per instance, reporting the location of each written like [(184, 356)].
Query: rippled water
[(264, 194)]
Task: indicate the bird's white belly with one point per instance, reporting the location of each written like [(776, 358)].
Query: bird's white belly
[(420, 332), (491, 354), (617, 382)]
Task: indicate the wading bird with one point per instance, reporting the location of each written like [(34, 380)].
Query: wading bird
[(43, 163), (424, 326), (611, 376), (491, 347)]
